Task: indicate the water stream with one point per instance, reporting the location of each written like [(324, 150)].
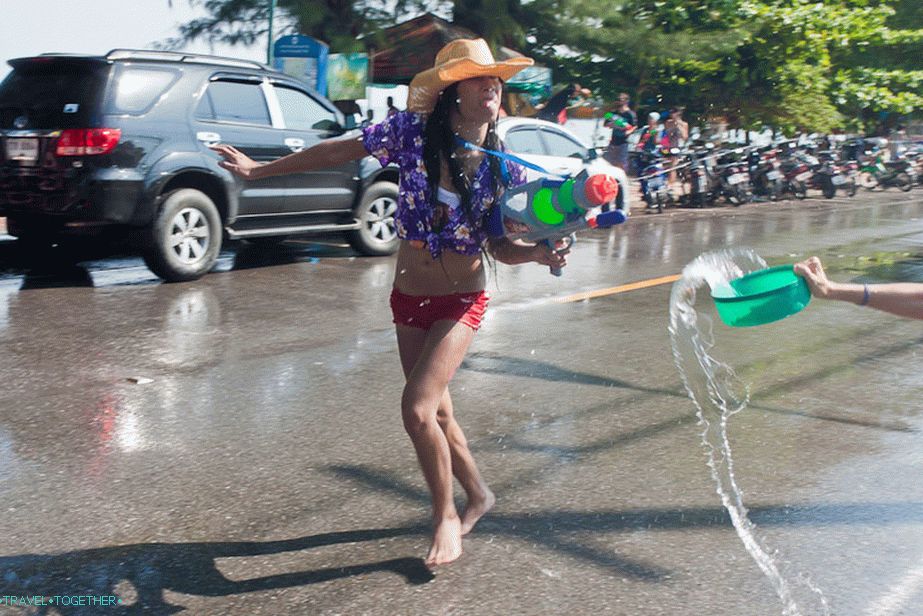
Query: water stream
[(718, 394)]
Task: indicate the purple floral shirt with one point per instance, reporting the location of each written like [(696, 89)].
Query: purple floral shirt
[(399, 140)]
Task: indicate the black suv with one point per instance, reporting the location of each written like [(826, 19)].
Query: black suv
[(119, 143)]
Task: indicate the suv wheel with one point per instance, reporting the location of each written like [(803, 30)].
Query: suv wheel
[(185, 237), (377, 232)]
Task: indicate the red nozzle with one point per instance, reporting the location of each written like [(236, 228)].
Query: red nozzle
[(600, 188)]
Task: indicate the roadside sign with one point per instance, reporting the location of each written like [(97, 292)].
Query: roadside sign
[(304, 58)]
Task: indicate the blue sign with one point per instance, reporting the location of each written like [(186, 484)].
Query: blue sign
[(304, 58)]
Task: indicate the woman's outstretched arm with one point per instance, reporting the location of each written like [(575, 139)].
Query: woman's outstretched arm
[(329, 153)]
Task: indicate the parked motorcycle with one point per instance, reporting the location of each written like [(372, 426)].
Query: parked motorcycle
[(795, 173), (701, 179), (765, 172), (655, 189), (874, 173), (733, 180), (822, 173)]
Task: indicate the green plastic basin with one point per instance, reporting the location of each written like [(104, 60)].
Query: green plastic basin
[(761, 297)]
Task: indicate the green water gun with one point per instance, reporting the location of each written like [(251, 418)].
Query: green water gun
[(550, 210), (618, 122)]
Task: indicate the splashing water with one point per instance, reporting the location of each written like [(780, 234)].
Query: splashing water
[(718, 394)]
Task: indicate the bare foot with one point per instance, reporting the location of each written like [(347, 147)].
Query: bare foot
[(447, 545), (476, 509)]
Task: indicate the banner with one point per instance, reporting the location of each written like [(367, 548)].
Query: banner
[(347, 76)]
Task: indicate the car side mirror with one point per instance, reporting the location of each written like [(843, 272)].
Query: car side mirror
[(329, 126), (591, 154), (349, 122)]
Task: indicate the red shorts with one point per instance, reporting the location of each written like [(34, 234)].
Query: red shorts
[(424, 310)]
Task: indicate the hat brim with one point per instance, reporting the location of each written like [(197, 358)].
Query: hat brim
[(426, 86)]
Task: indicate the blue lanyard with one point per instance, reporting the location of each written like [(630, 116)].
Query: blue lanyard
[(502, 156)]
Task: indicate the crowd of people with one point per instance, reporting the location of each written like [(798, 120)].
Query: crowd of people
[(663, 130)]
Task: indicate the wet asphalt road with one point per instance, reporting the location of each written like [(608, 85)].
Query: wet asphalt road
[(234, 445)]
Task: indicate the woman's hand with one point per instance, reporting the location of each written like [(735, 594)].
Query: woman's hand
[(236, 161), (543, 254), (813, 272)]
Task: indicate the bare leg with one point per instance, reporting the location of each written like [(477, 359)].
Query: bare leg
[(480, 498), (442, 351)]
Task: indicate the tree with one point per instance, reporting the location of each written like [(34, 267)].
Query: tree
[(790, 64), (338, 23), (799, 65)]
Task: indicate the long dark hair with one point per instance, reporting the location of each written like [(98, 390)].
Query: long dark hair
[(439, 142)]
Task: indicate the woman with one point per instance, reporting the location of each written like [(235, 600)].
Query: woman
[(438, 298)]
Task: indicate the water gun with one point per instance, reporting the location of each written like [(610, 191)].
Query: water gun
[(549, 210), (618, 122)]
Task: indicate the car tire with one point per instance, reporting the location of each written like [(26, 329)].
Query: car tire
[(377, 232), (184, 240)]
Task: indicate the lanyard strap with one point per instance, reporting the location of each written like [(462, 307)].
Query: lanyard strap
[(503, 156)]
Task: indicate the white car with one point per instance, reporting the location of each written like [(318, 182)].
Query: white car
[(557, 150)]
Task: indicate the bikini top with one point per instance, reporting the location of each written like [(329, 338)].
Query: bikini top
[(439, 221)]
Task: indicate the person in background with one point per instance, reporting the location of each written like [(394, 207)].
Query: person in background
[(676, 131), (391, 108), (653, 138), (897, 142), (555, 108), (904, 299), (617, 152)]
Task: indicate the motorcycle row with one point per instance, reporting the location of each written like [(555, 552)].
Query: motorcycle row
[(705, 174)]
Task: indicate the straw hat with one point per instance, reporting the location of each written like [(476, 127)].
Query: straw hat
[(459, 60)]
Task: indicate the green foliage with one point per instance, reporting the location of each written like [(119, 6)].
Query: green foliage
[(790, 64)]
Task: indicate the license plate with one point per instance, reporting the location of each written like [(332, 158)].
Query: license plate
[(22, 150), (803, 177), (737, 178), (773, 175), (838, 179)]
